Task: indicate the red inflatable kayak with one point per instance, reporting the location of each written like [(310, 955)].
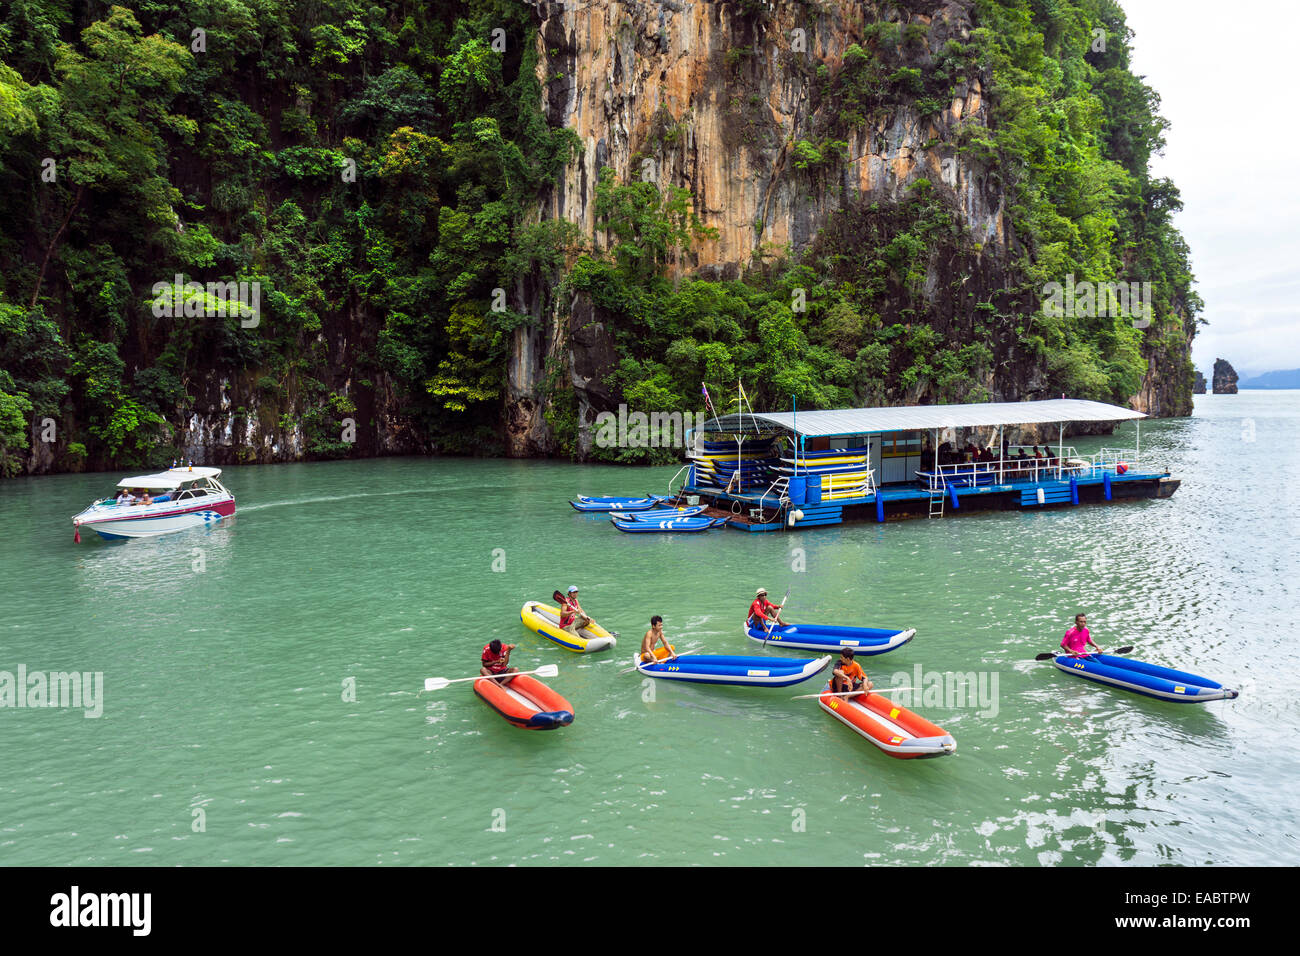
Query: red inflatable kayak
[(525, 702), (895, 730)]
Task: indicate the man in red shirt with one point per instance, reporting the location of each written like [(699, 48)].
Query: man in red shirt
[(496, 661), (763, 611)]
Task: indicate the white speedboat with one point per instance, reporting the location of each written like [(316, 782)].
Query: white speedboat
[(149, 505)]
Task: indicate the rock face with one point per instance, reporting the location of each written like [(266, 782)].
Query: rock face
[(1198, 387), (708, 96), (713, 97), (1225, 379)]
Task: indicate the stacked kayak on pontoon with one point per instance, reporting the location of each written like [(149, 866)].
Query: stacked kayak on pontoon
[(743, 467), (1150, 680), (830, 638), (544, 620), (843, 473)]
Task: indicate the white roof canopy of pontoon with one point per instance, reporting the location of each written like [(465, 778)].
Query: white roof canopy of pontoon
[(833, 423), (169, 480)]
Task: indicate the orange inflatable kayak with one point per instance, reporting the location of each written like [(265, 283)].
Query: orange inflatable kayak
[(525, 702), (895, 730)]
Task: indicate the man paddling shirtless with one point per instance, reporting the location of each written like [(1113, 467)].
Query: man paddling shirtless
[(656, 633)]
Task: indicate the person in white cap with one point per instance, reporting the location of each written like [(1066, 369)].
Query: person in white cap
[(572, 617), (763, 610)]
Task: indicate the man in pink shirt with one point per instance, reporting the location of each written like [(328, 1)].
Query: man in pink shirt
[(1077, 638)]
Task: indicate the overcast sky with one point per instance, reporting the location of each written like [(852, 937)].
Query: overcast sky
[(1226, 75)]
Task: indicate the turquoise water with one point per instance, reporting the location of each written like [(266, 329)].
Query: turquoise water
[(226, 688)]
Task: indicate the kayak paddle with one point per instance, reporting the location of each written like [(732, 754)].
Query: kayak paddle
[(1052, 656), (657, 660), (767, 625), (854, 693), (438, 683)]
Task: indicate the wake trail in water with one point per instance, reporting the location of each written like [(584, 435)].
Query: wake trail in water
[(327, 498)]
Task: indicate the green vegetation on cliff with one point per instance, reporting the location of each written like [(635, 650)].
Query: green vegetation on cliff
[(376, 167)]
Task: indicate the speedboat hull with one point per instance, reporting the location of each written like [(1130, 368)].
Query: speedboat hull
[(116, 522)]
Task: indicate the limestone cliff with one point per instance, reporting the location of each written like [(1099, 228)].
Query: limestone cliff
[(713, 97)]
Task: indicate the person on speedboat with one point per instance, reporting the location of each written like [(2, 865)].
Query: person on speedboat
[(496, 661), (146, 499), (763, 611), (849, 675), (1077, 639), (572, 617), (656, 633)]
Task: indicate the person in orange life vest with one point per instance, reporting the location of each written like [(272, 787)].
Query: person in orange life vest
[(572, 617), (849, 676), (496, 661), (763, 610)]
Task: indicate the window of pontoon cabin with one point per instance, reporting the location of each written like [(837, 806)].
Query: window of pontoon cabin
[(900, 456)]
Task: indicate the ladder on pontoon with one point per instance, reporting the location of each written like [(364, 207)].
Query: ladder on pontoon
[(938, 495)]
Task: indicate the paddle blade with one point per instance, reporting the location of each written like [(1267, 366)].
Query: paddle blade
[(1123, 650), (1045, 657), (547, 670), (435, 683)]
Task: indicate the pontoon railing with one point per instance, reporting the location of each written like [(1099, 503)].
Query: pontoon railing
[(1060, 465), (685, 468)]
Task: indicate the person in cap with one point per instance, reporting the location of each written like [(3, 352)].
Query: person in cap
[(572, 617), (849, 675), (762, 611)]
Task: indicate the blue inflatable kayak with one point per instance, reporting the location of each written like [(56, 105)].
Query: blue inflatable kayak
[(726, 669), (831, 639), (656, 514), (615, 504), (634, 526), (1150, 680)]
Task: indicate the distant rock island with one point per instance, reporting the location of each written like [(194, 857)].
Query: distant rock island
[(1289, 378), (1198, 386), (1225, 378)]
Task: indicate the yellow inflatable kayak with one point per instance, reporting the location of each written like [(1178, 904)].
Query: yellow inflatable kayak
[(544, 619)]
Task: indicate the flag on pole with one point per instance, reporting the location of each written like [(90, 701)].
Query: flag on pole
[(708, 402)]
